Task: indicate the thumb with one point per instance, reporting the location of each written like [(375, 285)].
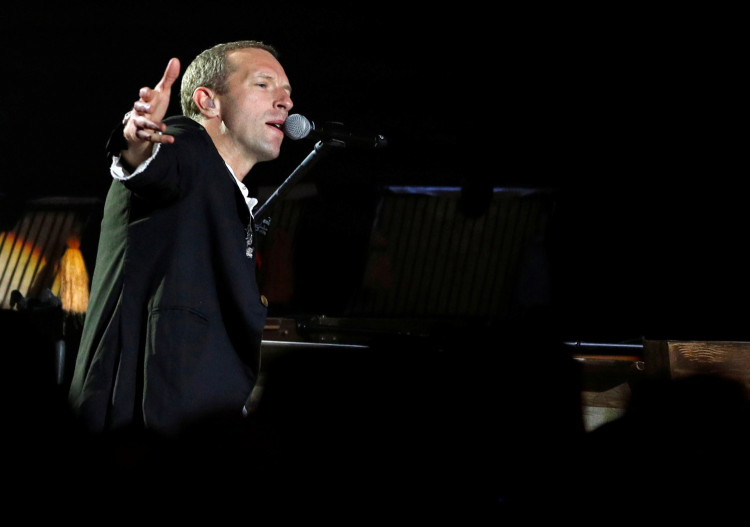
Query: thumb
[(170, 75)]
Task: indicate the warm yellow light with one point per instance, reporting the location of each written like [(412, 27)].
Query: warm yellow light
[(20, 262), (73, 279)]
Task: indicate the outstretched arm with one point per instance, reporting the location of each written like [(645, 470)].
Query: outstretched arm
[(144, 126)]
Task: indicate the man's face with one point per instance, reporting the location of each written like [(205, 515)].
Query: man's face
[(256, 104)]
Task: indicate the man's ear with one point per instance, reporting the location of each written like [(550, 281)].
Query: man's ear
[(204, 100)]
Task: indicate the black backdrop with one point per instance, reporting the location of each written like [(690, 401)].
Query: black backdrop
[(634, 115)]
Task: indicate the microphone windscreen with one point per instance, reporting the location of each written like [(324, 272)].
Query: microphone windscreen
[(297, 126)]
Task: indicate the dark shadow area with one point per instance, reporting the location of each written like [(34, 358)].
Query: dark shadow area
[(681, 446)]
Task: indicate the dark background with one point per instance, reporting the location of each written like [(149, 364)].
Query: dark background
[(634, 115)]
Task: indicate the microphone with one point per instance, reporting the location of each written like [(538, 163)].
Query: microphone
[(298, 126)]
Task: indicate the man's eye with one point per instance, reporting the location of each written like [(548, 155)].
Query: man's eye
[(262, 84)]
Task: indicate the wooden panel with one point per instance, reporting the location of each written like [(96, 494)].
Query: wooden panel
[(730, 359), (674, 359)]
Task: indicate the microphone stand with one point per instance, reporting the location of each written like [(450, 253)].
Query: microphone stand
[(303, 168)]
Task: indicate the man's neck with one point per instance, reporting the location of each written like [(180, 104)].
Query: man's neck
[(229, 151)]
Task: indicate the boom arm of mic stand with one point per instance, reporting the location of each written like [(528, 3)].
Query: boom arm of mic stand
[(303, 168)]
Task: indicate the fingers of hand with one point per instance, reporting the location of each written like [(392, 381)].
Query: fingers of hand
[(154, 137), (141, 122), (146, 93), (170, 75), (148, 135), (142, 107), (145, 129)]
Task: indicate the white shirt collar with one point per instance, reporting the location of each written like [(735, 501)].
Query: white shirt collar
[(251, 202)]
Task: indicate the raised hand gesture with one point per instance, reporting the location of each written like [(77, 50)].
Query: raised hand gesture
[(144, 124)]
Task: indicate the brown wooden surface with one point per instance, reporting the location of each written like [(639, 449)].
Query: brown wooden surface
[(731, 359), (681, 358)]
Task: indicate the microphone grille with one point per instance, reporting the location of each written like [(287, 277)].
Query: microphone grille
[(297, 126)]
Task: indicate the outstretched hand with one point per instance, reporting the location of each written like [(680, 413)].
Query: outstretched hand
[(144, 125)]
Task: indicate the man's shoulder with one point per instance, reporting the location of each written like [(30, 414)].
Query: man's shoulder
[(183, 124), (187, 132)]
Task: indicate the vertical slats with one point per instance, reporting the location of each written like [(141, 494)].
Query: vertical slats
[(393, 229), (423, 292), (441, 255), (445, 264), (413, 268), (30, 252), (10, 254), (482, 237)]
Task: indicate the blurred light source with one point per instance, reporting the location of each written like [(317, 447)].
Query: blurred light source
[(20, 262), (41, 251), (73, 279)]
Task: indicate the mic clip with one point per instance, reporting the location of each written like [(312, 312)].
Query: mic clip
[(334, 134)]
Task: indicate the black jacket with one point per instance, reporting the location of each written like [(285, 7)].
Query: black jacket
[(175, 320)]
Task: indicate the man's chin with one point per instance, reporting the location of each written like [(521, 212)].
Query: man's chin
[(268, 154)]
